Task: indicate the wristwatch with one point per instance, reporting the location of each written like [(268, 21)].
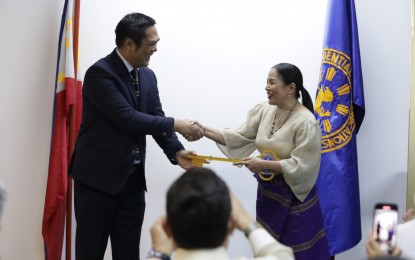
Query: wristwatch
[(157, 254), (251, 227)]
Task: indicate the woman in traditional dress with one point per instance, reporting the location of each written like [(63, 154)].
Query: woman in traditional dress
[(287, 205)]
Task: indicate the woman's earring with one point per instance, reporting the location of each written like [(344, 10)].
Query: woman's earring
[(289, 95)]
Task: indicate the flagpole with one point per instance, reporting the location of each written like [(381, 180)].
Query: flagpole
[(72, 128), (411, 149)]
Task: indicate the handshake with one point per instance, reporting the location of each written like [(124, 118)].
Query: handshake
[(189, 129)]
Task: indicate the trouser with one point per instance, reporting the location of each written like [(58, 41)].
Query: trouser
[(100, 215)]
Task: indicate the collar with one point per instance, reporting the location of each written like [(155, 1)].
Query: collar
[(126, 63)]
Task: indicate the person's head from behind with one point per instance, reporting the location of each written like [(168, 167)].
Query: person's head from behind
[(199, 209), (136, 38), (284, 83)]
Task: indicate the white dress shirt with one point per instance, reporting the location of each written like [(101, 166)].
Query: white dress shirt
[(265, 247)]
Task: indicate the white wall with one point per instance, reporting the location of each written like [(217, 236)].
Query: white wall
[(212, 63), (383, 138), (28, 49)]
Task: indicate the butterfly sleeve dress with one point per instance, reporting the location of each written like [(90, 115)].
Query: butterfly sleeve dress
[(288, 205)]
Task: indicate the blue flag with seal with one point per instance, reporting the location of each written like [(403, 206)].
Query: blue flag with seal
[(340, 110)]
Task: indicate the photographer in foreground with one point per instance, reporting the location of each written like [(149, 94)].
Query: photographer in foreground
[(201, 214)]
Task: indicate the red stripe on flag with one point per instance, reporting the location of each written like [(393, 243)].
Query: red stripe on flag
[(78, 112), (55, 199), (70, 91)]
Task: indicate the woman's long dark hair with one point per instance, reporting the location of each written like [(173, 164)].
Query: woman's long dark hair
[(291, 74)]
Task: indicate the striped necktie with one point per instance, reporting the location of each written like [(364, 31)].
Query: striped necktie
[(134, 76)]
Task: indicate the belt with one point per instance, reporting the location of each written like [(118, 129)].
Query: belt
[(277, 180)]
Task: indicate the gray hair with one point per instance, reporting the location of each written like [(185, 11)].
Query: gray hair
[(3, 196)]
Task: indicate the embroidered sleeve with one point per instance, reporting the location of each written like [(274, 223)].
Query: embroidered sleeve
[(240, 142)]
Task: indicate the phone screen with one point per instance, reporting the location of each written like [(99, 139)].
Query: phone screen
[(385, 222)]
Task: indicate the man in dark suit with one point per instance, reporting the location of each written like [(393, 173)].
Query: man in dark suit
[(121, 106)]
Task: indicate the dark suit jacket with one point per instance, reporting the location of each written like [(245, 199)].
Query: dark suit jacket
[(112, 128)]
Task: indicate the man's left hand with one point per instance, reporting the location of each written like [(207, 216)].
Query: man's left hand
[(183, 160)]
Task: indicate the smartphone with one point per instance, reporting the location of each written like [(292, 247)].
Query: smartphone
[(385, 221)]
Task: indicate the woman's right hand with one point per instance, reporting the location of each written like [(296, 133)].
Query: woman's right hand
[(254, 164), (257, 165)]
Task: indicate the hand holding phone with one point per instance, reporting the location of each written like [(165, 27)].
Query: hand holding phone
[(385, 221)]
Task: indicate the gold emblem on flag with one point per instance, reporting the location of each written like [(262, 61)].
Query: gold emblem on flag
[(334, 106)]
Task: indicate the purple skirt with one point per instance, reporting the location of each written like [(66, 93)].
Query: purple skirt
[(296, 224)]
